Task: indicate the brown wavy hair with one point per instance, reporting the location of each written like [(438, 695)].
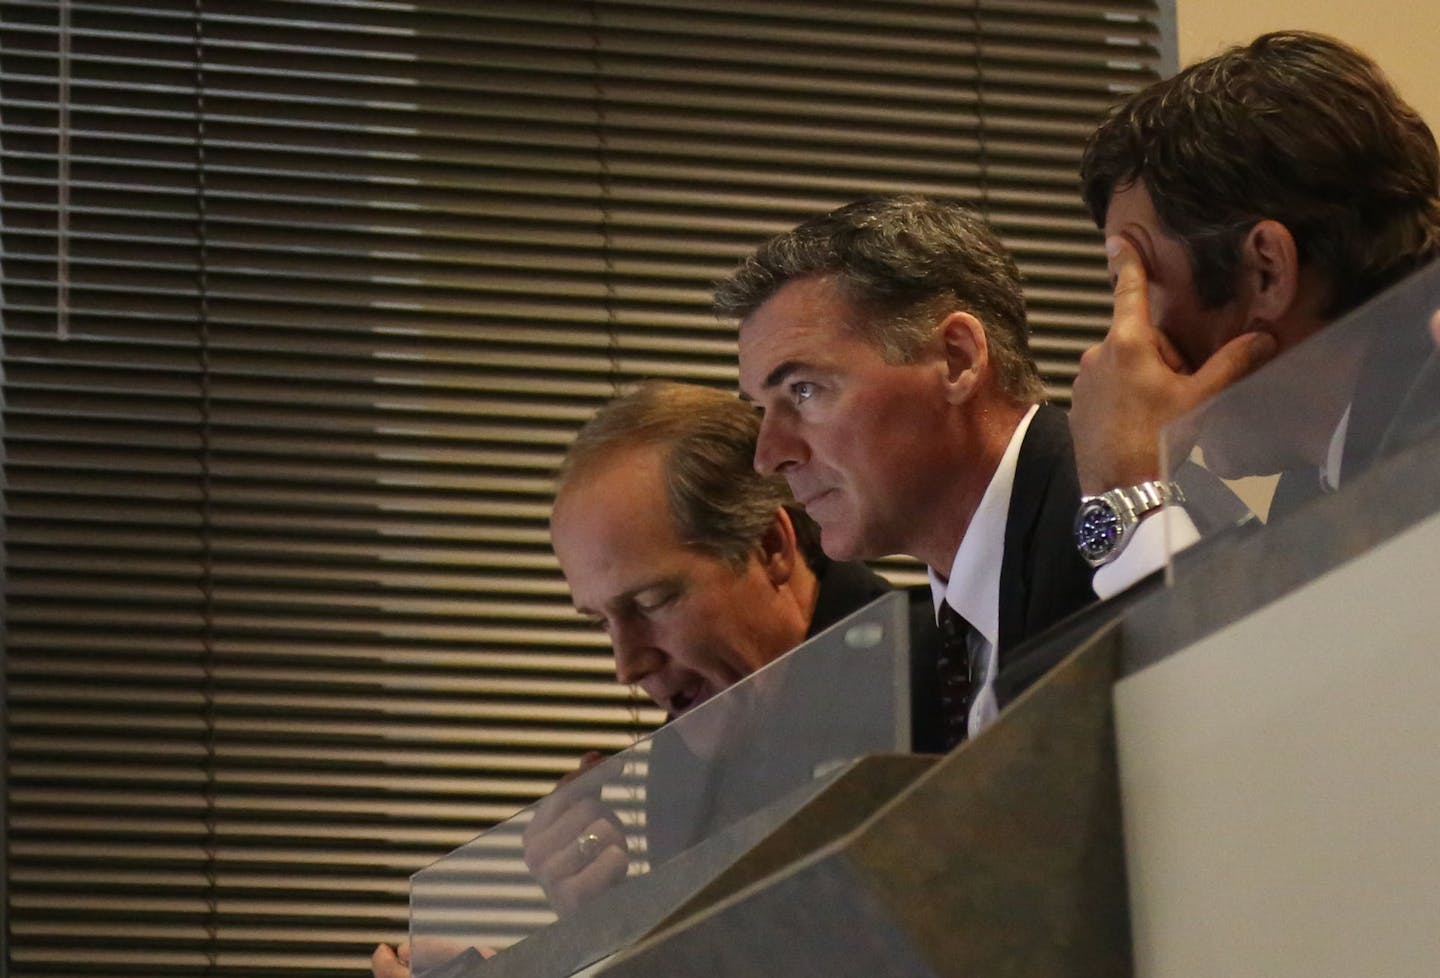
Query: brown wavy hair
[(1294, 127)]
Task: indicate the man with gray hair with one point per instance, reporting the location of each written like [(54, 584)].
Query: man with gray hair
[(886, 345)]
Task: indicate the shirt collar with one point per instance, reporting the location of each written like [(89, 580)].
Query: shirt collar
[(1330, 473), (973, 587)]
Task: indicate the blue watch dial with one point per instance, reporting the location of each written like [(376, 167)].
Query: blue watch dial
[(1097, 531)]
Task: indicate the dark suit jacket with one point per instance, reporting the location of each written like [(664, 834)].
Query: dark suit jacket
[(1396, 403), (1042, 577), (1043, 580), (1397, 398)]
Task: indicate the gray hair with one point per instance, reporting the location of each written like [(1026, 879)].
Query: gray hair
[(901, 262)]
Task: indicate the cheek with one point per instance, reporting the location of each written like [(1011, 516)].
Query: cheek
[(1173, 321), (889, 440), (1165, 315), (692, 637), (863, 442), (1155, 299)]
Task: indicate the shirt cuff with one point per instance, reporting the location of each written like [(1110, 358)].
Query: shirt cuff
[(1153, 541)]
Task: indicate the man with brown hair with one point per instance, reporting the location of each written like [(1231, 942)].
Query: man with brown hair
[(701, 571), (1247, 202)]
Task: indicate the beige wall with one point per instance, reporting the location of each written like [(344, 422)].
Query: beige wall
[(1400, 34)]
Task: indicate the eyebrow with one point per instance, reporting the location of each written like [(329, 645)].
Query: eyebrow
[(776, 376)]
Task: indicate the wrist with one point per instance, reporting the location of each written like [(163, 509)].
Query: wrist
[(1115, 472), (1106, 520)]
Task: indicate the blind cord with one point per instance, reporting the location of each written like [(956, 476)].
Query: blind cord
[(602, 160), (207, 582), (980, 131), (62, 176), (607, 258)]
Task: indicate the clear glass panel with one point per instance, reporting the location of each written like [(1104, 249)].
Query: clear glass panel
[(611, 852), (1312, 421)]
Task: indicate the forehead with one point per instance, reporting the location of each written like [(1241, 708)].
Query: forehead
[(612, 530), (620, 492), (806, 322), (1132, 216), (1131, 204)]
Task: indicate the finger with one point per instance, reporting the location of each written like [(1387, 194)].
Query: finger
[(600, 874), (1170, 354), (541, 846), (1131, 314), (1241, 356), (384, 963), (558, 806), (571, 858), (562, 797)]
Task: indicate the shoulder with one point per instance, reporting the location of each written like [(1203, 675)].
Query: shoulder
[(1048, 436), (1045, 474), (844, 587)]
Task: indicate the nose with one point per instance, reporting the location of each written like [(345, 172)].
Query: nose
[(636, 657), (777, 447)]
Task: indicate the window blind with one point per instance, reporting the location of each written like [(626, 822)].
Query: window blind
[(302, 302)]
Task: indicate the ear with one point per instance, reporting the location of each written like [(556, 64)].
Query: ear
[(779, 550), (1270, 265), (967, 354)]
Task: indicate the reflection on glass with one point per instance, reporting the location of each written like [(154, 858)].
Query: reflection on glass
[(1313, 419), (604, 857)]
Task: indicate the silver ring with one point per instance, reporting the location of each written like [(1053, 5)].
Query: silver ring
[(589, 846)]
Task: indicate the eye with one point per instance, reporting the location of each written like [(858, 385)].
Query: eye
[(650, 603), (802, 390)]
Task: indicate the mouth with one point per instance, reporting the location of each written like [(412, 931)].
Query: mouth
[(812, 499), (683, 701)]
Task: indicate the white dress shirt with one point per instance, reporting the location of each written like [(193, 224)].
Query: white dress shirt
[(973, 586)]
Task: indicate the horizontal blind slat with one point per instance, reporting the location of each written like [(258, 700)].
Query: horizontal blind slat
[(298, 560)]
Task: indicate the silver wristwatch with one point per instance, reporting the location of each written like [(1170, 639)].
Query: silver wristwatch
[(1105, 522)]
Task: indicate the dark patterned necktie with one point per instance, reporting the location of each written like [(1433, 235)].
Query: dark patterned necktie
[(957, 686)]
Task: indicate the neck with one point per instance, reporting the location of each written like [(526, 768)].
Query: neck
[(805, 588), (989, 432)]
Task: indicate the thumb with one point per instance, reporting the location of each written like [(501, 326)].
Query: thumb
[(1241, 356), (589, 760)]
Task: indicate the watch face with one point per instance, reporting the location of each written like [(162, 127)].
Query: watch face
[(1097, 530)]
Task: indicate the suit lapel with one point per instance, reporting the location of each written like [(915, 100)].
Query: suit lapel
[(1048, 435)]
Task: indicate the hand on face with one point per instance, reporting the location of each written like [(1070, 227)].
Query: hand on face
[(1134, 382), (575, 846)]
